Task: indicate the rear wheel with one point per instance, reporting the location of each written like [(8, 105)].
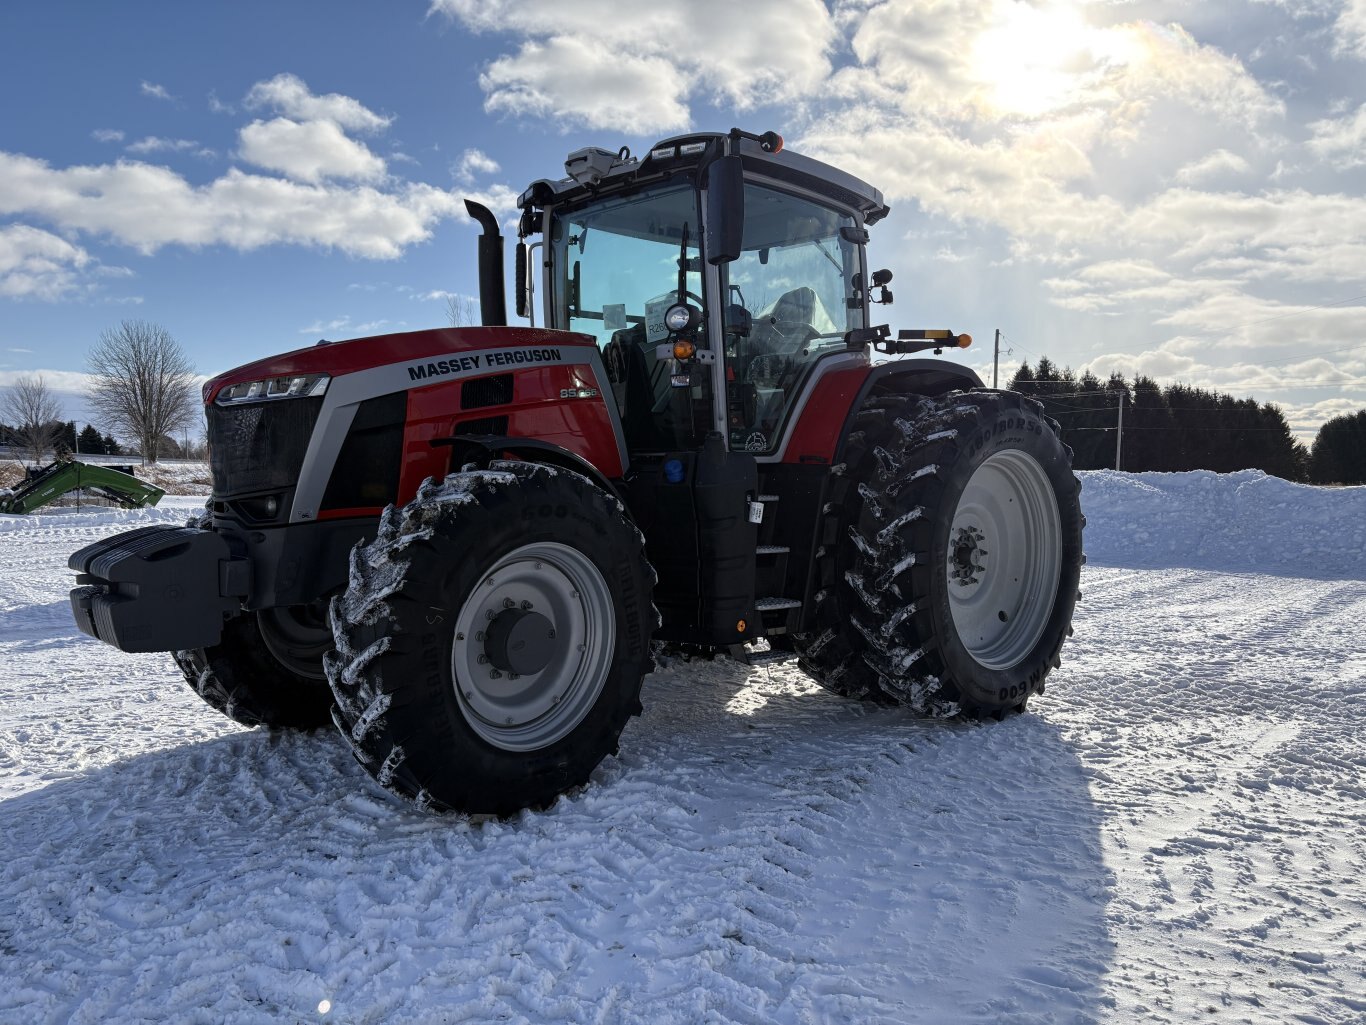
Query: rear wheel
[(951, 569), (491, 645)]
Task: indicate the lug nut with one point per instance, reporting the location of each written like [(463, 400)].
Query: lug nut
[(494, 674), (479, 636), (508, 603), (483, 660), (526, 606)]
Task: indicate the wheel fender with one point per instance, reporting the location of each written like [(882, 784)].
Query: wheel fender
[(908, 377), (489, 446)]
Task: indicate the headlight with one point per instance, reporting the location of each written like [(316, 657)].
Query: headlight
[(681, 317), (301, 386)]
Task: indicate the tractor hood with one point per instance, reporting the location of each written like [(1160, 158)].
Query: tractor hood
[(429, 352)]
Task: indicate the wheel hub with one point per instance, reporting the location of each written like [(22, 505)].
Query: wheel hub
[(965, 561), (520, 641)]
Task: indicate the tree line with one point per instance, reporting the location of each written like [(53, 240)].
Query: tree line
[(142, 386), (1180, 427)]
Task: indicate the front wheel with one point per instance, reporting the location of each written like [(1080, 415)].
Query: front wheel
[(245, 677), (491, 645), (959, 552)]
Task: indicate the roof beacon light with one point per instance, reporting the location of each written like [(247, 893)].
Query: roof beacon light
[(771, 142)]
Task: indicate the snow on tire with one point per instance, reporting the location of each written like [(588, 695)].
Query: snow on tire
[(952, 559), (492, 640)]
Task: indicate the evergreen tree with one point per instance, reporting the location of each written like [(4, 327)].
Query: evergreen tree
[(1339, 454), (91, 444), (111, 447)]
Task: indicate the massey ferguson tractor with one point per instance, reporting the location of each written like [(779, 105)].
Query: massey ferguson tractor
[(461, 546)]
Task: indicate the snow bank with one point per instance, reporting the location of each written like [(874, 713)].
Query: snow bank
[(1235, 522), (171, 509)]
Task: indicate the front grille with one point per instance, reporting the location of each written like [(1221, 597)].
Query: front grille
[(259, 447)]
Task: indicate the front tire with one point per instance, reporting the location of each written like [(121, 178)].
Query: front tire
[(260, 674), (242, 677), (952, 574), (491, 645)]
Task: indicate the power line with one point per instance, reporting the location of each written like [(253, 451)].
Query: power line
[(1186, 430)]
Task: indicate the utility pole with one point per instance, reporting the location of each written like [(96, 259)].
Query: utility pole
[(996, 359), (1119, 430)]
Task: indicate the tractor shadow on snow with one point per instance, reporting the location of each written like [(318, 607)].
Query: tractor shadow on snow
[(923, 865)]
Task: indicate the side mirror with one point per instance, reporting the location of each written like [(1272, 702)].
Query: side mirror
[(725, 210), (880, 280), (520, 284)]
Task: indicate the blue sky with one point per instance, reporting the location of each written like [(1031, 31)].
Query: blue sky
[(1176, 189)]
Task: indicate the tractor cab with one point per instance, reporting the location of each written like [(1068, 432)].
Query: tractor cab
[(714, 273)]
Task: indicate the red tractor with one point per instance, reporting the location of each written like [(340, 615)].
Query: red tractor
[(461, 545)]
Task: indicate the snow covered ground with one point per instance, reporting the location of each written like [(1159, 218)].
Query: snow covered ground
[(1175, 833)]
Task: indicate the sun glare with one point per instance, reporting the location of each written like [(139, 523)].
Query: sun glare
[(1033, 59)]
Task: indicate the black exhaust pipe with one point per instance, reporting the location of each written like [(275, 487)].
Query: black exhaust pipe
[(493, 309)]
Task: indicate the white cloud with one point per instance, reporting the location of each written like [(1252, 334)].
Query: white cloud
[(635, 66), (473, 162), (343, 325), (1001, 59), (1350, 29), (288, 95), (310, 151), (1219, 163), (570, 81), (148, 207), (217, 106), (107, 135), (36, 264), (156, 91), (71, 384), (155, 144), (1341, 141)]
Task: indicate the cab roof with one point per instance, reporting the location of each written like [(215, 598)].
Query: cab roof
[(608, 172)]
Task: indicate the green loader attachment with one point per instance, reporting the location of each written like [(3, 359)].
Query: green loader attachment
[(54, 481)]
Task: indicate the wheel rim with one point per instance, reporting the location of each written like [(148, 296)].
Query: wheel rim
[(544, 605), (1005, 555), (298, 636)]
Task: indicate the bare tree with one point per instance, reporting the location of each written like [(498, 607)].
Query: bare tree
[(461, 311), (35, 412), (144, 383)]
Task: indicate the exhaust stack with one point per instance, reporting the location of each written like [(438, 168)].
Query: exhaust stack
[(492, 300)]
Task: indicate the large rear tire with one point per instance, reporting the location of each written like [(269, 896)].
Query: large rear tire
[(953, 556), (491, 644)]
